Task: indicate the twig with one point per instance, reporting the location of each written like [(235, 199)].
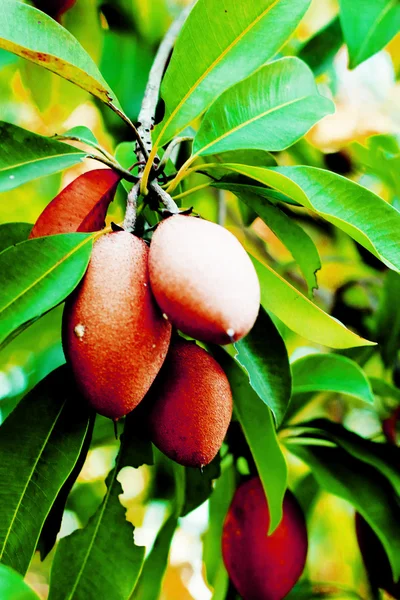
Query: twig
[(149, 104), (132, 126), (171, 147), (221, 207), (114, 165), (165, 198), (131, 206)]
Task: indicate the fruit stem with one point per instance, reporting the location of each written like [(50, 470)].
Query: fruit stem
[(165, 198), (113, 164), (167, 155), (131, 209), (148, 109)]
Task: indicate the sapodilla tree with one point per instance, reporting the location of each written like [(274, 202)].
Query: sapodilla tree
[(190, 405), (114, 335), (262, 566), (203, 279)]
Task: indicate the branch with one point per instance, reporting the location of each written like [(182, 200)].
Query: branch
[(148, 109), (165, 198), (131, 206)]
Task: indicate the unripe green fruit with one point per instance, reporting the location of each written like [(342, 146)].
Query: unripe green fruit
[(54, 8), (203, 279), (375, 559), (114, 335), (263, 567), (190, 405)]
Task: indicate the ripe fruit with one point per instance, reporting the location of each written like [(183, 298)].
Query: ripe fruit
[(203, 279), (190, 405), (114, 335), (375, 559), (263, 567), (54, 8)]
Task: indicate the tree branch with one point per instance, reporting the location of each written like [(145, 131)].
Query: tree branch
[(165, 198), (131, 206)]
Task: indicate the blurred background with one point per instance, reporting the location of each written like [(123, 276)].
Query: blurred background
[(360, 142)]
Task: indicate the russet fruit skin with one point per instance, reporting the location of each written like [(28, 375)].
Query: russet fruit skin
[(263, 567), (203, 279), (375, 559), (114, 335), (190, 405), (54, 8)]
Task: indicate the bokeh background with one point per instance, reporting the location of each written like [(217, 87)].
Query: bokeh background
[(360, 141)]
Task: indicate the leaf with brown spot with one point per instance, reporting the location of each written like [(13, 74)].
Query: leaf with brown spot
[(81, 206)]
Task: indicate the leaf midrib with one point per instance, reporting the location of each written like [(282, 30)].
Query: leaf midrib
[(37, 160), (46, 273), (30, 478)]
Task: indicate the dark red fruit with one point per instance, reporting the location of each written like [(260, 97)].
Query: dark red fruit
[(375, 559), (54, 8), (263, 567)]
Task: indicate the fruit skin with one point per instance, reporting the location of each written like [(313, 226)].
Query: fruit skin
[(190, 405), (54, 8), (203, 279), (263, 567), (114, 335), (375, 559)]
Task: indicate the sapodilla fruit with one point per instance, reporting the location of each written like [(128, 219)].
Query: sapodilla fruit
[(203, 279), (375, 559), (263, 567), (190, 405), (54, 8), (114, 335)]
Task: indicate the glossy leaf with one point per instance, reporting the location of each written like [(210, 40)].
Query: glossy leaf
[(262, 353), (13, 233), (368, 26), (270, 110), (40, 443), (242, 186), (52, 525), (308, 320), (212, 54), (363, 486), (38, 275), (31, 34), (25, 156), (245, 156), (384, 457), (345, 204), (258, 427), (150, 581), (319, 51), (198, 485), (101, 560), (81, 206), (384, 389), (387, 319), (218, 507), (80, 133), (13, 587), (331, 373), (296, 240)]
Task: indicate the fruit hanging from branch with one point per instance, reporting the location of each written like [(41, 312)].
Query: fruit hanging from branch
[(190, 405), (114, 335), (262, 566), (203, 279)]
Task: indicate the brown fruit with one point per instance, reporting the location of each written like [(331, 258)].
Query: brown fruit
[(375, 559), (203, 279), (54, 8), (263, 567), (114, 335), (190, 405)]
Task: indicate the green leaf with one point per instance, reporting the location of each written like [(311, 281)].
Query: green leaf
[(25, 156), (220, 45), (258, 427), (218, 507), (368, 26), (266, 364), (150, 581), (245, 156), (39, 274), (13, 587), (198, 485), (346, 204), (363, 486), (308, 320), (384, 457), (40, 443), (13, 233), (296, 240), (241, 186), (331, 373), (101, 560), (319, 51), (33, 35), (270, 110), (387, 319), (384, 389), (80, 133)]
